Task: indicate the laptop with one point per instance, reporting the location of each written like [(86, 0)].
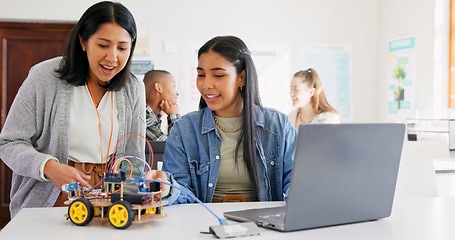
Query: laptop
[(158, 148), (342, 173)]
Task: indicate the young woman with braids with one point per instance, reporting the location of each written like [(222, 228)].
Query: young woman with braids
[(232, 148)]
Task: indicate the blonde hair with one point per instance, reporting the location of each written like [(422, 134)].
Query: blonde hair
[(318, 101)]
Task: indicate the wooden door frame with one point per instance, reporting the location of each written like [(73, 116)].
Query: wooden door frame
[(8, 30)]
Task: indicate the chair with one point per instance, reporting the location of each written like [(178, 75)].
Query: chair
[(158, 148)]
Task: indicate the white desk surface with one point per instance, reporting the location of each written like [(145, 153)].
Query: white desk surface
[(412, 218), (444, 164)]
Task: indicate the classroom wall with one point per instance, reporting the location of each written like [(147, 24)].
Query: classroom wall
[(428, 21), (167, 27)]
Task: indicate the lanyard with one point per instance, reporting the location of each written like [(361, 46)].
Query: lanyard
[(99, 125)]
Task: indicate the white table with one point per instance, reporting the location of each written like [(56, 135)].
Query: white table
[(445, 176), (412, 218)]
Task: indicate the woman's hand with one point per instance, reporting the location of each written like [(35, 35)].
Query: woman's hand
[(161, 176), (61, 174)]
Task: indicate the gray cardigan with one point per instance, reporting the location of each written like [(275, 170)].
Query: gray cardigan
[(37, 128)]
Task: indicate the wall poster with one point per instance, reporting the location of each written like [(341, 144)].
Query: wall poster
[(333, 64), (402, 75)]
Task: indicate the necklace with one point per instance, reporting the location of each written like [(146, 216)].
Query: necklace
[(236, 129), (300, 118)]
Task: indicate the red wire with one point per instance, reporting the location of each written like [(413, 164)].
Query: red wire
[(152, 157)]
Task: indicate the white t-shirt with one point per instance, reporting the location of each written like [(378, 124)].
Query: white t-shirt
[(85, 139), (325, 117)]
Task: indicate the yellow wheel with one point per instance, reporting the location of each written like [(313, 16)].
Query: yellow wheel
[(80, 211), (121, 214), (150, 211)]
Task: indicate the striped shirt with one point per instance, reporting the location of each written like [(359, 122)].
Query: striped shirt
[(153, 122)]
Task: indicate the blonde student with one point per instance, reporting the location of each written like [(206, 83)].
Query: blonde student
[(309, 100)]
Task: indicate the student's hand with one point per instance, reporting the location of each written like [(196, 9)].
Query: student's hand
[(161, 176), (170, 107), (61, 174)]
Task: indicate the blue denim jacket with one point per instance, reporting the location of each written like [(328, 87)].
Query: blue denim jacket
[(192, 155)]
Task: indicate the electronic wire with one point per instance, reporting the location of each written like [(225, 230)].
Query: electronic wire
[(220, 220), (136, 157), (135, 135)]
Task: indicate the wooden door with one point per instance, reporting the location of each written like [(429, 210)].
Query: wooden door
[(22, 45)]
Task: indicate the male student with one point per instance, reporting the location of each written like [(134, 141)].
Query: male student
[(161, 96)]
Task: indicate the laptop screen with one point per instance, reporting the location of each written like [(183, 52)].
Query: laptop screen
[(344, 173)]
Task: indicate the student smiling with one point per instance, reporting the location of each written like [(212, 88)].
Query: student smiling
[(309, 100), (232, 148), (70, 111)]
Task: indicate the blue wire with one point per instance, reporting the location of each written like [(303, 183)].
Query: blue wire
[(222, 221)]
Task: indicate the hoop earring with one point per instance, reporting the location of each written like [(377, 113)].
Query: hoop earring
[(241, 88)]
